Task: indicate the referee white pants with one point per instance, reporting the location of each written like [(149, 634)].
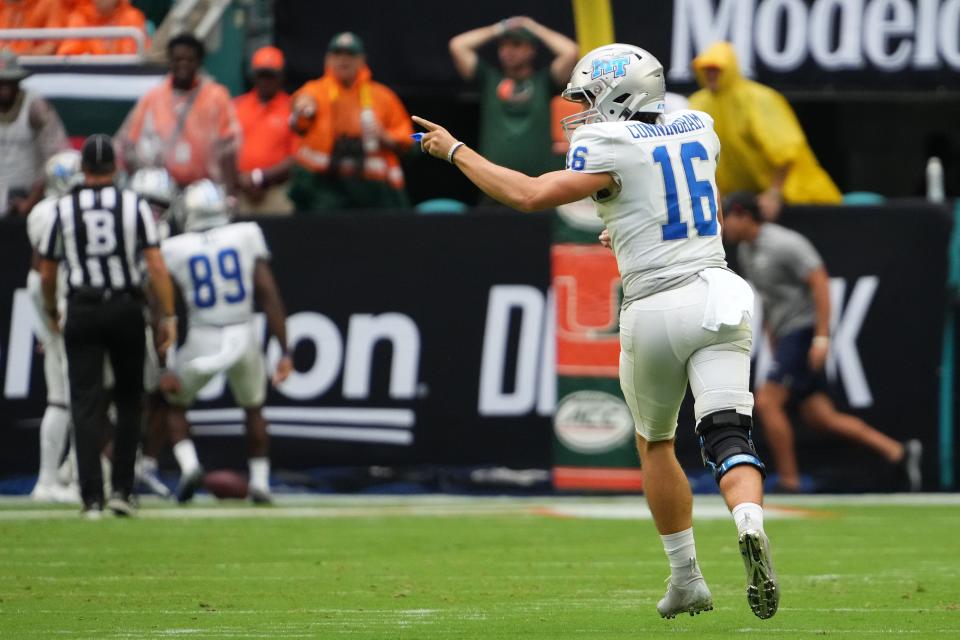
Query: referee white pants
[(663, 345)]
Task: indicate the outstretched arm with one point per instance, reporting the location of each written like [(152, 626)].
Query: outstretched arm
[(512, 188)]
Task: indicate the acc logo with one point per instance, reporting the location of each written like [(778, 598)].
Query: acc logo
[(603, 66), (592, 422)]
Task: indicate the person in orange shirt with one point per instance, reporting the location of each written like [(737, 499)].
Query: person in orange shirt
[(352, 131), (266, 153), (186, 124), (32, 14), (103, 13)]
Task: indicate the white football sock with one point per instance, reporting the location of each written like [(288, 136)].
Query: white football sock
[(53, 438), (748, 515), (148, 465), (186, 455), (680, 548), (260, 473)]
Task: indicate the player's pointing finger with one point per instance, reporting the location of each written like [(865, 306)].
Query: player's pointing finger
[(426, 124)]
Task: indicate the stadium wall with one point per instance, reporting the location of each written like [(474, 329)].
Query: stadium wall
[(431, 340)]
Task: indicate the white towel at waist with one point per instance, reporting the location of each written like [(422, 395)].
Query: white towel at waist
[(729, 300)]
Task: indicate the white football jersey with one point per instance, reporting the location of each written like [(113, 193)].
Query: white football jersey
[(663, 219), (214, 270)]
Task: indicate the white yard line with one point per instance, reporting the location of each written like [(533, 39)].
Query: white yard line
[(13, 508)]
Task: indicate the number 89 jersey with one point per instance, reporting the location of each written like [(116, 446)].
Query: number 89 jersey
[(663, 217), (214, 270)]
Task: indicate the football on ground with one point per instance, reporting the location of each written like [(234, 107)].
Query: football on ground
[(226, 484)]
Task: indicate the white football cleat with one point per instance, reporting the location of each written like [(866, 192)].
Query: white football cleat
[(691, 597), (55, 493), (260, 496), (763, 594)]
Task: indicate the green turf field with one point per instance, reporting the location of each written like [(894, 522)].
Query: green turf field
[(454, 568)]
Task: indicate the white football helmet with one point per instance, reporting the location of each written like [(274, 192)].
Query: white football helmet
[(204, 206), (155, 185), (61, 173), (615, 81)]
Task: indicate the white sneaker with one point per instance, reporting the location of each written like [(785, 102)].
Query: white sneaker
[(691, 597), (763, 594)]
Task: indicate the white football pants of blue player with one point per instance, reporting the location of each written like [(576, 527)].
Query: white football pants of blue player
[(208, 351), (665, 342)]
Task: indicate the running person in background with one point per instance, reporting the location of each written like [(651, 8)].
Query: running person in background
[(160, 191), (794, 289), (62, 171), (684, 316), (220, 268)]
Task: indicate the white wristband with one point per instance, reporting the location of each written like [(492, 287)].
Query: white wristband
[(257, 177), (453, 150), (821, 341)]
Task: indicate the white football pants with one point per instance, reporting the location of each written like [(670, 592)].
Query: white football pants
[(663, 345)]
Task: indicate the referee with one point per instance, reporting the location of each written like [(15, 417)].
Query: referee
[(102, 233)]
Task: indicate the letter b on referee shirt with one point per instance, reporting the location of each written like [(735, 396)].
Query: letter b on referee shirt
[(101, 236)]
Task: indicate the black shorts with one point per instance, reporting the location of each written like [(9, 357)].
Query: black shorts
[(791, 365)]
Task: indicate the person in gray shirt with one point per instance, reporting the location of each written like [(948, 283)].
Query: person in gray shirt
[(794, 289)]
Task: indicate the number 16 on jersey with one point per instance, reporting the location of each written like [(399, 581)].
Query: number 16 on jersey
[(676, 228)]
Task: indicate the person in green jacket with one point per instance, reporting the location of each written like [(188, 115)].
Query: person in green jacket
[(515, 97)]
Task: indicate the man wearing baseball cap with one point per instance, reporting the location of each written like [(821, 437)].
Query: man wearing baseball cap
[(352, 130), (30, 134), (515, 95), (266, 154)]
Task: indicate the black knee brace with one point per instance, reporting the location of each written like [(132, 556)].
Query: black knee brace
[(725, 443)]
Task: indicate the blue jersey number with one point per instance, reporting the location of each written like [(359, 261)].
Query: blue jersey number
[(676, 229), (577, 159), (204, 289)]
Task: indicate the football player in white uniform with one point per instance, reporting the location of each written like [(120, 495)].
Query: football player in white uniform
[(220, 268), (685, 317), (62, 171)]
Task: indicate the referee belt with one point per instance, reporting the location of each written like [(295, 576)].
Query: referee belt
[(97, 295)]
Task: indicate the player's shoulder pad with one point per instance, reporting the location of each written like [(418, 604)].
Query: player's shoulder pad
[(590, 134), (40, 219), (45, 207), (247, 229), (172, 245), (593, 148), (702, 115)]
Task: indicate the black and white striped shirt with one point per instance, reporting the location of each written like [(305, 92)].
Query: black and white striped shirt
[(100, 233)]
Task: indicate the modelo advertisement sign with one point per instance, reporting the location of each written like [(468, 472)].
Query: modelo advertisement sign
[(416, 340), (790, 44)]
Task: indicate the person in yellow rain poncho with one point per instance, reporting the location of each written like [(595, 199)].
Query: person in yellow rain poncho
[(764, 149)]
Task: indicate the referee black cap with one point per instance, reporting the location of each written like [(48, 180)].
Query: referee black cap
[(97, 155), (742, 202)]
